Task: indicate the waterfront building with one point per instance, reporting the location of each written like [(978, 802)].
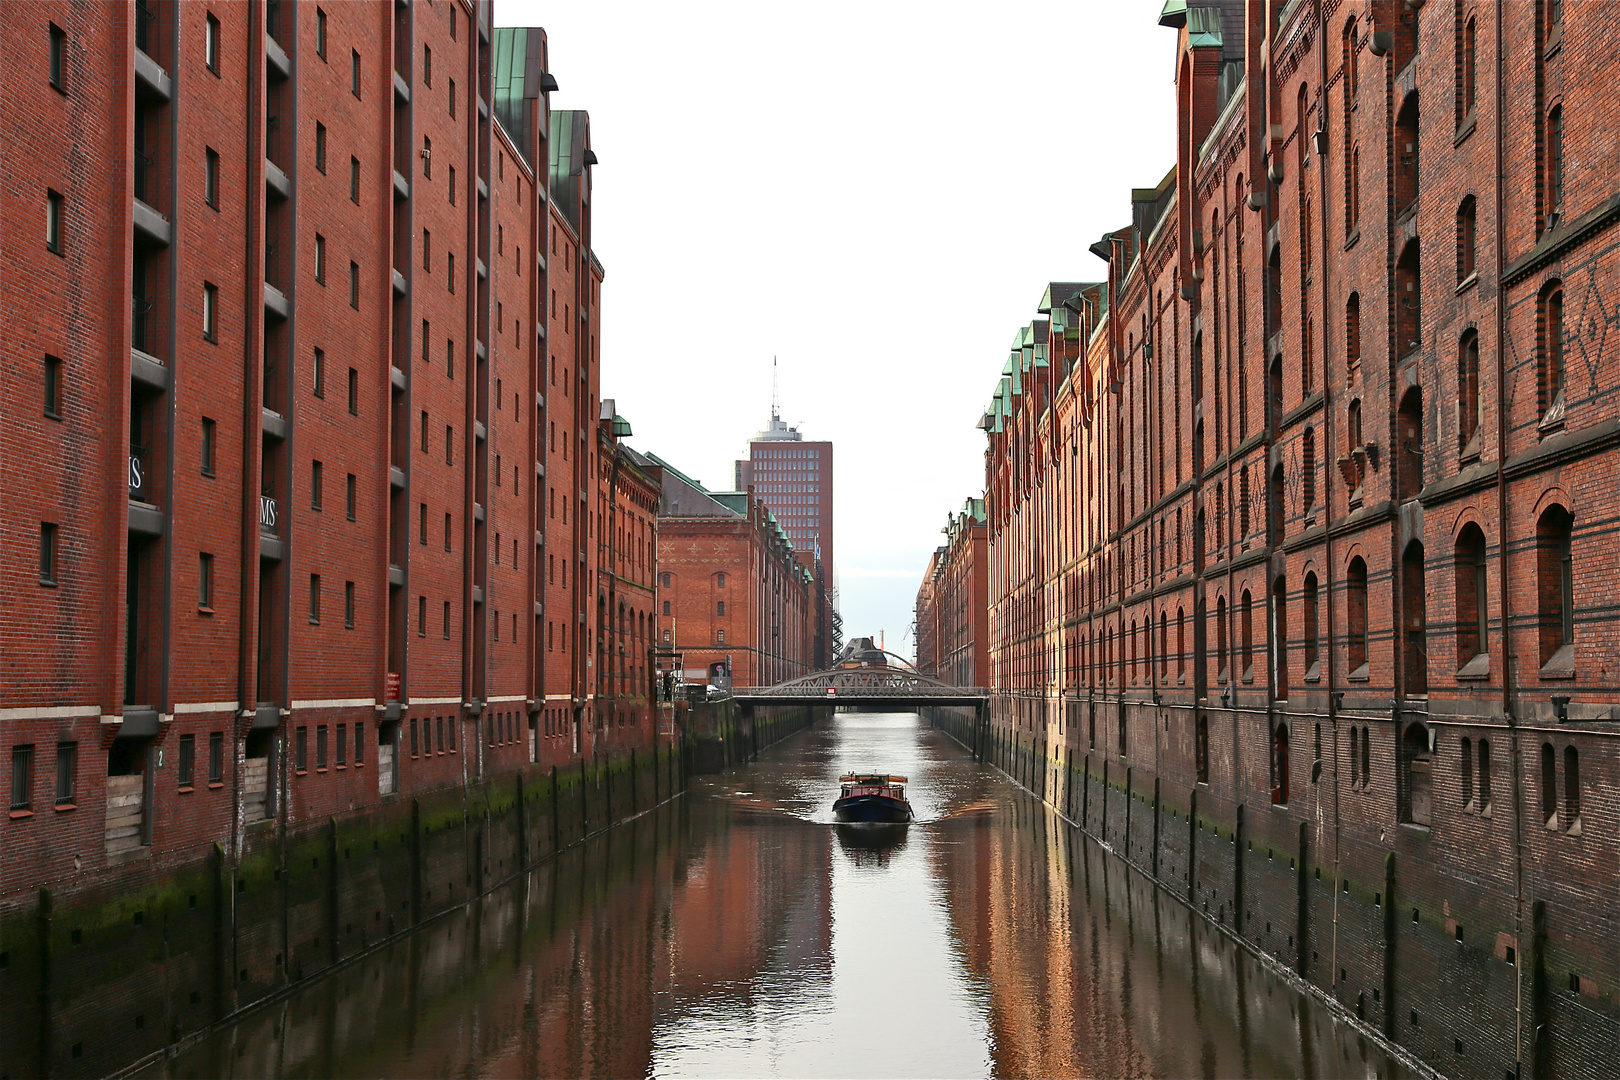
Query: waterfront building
[(320, 278), (1297, 518), (794, 477), (628, 492), (732, 590), (953, 610)]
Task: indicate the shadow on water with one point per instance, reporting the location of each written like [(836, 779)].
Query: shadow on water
[(738, 932)]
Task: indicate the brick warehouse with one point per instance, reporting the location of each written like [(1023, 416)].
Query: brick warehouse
[(953, 607), (370, 521), (1300, 522)]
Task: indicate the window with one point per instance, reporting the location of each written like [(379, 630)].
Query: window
[(318, 370), (1555, 590), (315, 599), (1352, 331), (354, 285), (341, 745), (427, 66), (449, 445), (1466, 239), (53, 222), (1551, 349), (1467, 77), (1309, 479), (320, 148), (22, 777), (211, 45), (1247, 612), (188, 758), (1473, 613), (1555, 163), (354, 72), (67, 773), (666, 607), (447, 532), (47, 553), (320, 259), (663, 579), (424, 436), (721, 637), (301, 750), (1572, 789), (452, 277), (1469, 404), (359, 743), (348, 605), (320, 748), (452, 116), (1417, 808), (415, 750), (58, 57), (447, 619), (320, 33), (216, 757), (1356, 614), (720, 581), (53, 388), (210, 312), (348, 498), (1549, 786), (450, 357), (427, 158), (205, 581), (720, 608), (421, 528), (354, 392), (1465, 760), (211, 178), (427, 256), (354, 180), (1312, 624), (421, 616)]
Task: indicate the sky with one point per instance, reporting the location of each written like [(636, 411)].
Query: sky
[(874, 193)]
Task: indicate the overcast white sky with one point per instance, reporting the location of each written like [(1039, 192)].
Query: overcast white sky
[(876, 193)]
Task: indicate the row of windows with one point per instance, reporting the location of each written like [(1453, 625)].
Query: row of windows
[(339, 748), (67, 769)]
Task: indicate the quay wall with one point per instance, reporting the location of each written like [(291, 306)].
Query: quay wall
[(1450, 955)]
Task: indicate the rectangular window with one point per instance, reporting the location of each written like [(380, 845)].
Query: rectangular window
[(188, 757), (354, 392), (320, 259), (320, 33), (207, 446), (211, 178), (22, 777), (354, 285), (427, 250), (320, 747), (452, 272), (421, 526), (210, 312), (216, 757), (314, 485), (53, 388), (47, 553), (342, 749), (425, 331), (53, 222), (67, 773), (421, 616), (449, 445), (320, 148), (427, 157), (447, 532), (450, 359), (58, 58), (415, 750), (301, 750), (205, 581), (211, 45), (359, 743), (348, 498), (447, 610), (319, 373), (424, 436), (348, 605), (427, 66), (452, 168), (354, 180), (315, 599), (354, 72), (452, 116)]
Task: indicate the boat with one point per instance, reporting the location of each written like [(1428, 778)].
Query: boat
[(872, 797)]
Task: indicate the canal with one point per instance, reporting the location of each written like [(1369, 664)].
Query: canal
[(738, 932)]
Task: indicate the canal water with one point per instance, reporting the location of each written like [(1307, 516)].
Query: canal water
[(738, 932)]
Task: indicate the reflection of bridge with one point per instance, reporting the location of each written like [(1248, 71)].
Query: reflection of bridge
[(863, 686)]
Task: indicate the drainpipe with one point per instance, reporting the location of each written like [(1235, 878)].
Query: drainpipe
[(1505, 596)]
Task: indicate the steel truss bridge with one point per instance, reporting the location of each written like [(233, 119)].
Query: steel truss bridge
[(863, 686)]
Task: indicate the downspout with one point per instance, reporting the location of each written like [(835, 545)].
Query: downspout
[(1505, 596)]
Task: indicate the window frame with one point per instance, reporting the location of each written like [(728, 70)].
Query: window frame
[(211, 177), (57, 67)]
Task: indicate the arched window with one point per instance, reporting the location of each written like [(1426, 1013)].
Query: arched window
[(1355, 759), (1467, 239), (1352, 330), (1301, 137), (1276, 386), (1465, 759), (1181, 643), (1351, 47), (1221, 661), (1275, 506), (1247, 614), (1366, 757), (1484, 775), (1549, 786), (1308, 485), (1550, 350), (1467, 78), (1473, 619), (1355, 586), (1414, 614), (1164, 645), (1555, 588), (1406, 154), (1312, 626), (1470, 406), (1555, 162), (1417, 806), (1409, 454), (1353, 190), (1408, 299)]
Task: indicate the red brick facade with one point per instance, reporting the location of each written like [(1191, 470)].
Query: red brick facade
[(1323, 472), (953, 610), (306, 495)]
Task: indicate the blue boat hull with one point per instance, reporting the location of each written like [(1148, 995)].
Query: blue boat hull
[(872, 808)]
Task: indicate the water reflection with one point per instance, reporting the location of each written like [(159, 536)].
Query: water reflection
[(725, 936)]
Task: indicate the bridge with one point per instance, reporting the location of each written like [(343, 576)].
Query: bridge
[(863, 686)]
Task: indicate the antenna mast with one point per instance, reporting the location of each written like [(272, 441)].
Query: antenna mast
[(776, 411)]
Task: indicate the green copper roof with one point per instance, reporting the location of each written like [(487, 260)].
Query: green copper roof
[(570, 156), (519, 65), (1040, 356), (621, 427), (1203, 26), (1174, 13)]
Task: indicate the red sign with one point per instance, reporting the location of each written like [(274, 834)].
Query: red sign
[(393, 684), (831, 692)]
